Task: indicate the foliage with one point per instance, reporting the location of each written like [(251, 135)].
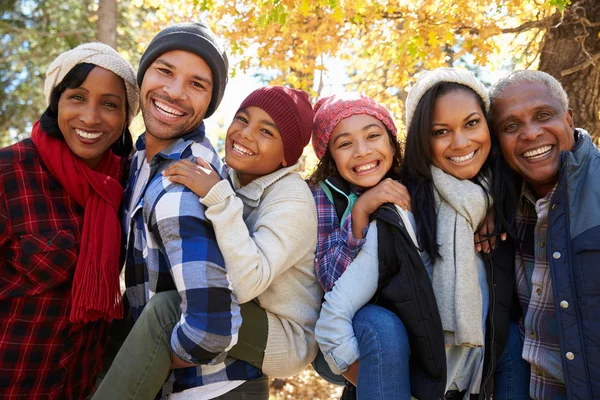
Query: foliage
[(385, 42)]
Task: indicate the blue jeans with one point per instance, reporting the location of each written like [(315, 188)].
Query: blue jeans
[(383, 371), (512, 372)]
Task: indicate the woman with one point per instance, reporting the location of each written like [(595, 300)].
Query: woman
[(60, 193), (423, 265)]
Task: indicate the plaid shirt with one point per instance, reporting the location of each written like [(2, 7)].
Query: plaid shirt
[(541, 345), (336, 246), (42, 354), (172, 246)]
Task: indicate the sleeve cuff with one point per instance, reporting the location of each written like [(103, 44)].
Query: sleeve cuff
[(342, 357), (181, 352), (178, 348), (218, 193), (354, 244)]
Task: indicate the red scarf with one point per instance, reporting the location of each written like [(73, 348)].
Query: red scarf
[(96, 291)]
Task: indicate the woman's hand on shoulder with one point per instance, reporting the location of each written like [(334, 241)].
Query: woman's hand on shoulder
[(484, 239), (199, 178)]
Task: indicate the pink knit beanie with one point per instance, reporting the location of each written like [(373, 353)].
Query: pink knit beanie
[(292, 113), (329, 111)]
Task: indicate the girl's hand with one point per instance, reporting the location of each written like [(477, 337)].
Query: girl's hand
[(199, 178), (386, 191)]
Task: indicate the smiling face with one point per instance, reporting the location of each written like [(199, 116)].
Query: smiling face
[(175, 94), (460, 139), (253, 145), (93, 116), (533, 129), (360, 146)]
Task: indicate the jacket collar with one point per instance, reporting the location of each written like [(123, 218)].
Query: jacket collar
[(255, 189), (176, 150)]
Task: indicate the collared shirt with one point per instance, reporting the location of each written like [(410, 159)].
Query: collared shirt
[(336, 246), (541, 344), (172, 246), (42, 354)]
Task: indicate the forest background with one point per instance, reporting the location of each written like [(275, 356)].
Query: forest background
[(377, 47)]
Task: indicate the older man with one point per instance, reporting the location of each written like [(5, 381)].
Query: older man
[(558, 220)]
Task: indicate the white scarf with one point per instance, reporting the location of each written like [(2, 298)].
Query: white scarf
[(461, 207)]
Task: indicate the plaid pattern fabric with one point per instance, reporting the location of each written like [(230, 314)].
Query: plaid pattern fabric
[(541, 344), (336, 246), (42, 354), (171, 245)]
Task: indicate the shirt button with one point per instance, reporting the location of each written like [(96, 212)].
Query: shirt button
[(554, 206), (532, 335), (564, 304), (556, 255), (49, 243), (570, 356), (542, 244), (538, 290)]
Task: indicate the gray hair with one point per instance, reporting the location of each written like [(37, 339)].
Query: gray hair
[(531, 76)]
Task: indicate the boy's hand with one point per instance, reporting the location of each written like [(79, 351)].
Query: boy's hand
[(386, 191), (199, 178)]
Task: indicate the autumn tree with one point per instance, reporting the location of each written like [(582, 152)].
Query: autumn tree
[(106, 26), (388, 42), (570, 51)]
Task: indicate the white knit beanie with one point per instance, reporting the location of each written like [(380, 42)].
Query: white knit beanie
[(430, 78), (103, 56)]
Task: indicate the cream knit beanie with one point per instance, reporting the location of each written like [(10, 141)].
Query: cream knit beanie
[(103, 56), (430, 78)]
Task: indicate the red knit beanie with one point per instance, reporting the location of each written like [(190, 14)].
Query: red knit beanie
[(292, 113), (329, 111)]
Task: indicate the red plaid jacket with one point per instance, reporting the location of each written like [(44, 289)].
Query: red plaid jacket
[(42, 354)]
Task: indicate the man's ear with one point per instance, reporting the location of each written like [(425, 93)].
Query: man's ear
[(569, 115)]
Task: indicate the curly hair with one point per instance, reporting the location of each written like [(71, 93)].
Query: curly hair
[(327, 167)]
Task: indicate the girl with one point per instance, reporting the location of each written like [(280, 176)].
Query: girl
[(265, 224), (459, 311), (355, 139), (59, 229)]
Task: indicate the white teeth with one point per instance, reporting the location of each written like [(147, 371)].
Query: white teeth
[(463, 158), (241, 149), (88, 135), (366, 167), (165, 109), (537, 152)]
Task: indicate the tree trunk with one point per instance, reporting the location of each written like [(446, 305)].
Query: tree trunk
[(106, 31), (571, 53)]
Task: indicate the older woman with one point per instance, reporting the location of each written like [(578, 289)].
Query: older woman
[(60, 193)]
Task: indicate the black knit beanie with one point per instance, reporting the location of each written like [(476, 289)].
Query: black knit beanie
[(197, 38)]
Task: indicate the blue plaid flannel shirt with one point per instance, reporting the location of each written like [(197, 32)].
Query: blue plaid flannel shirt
[(336, 246), (172, 246)]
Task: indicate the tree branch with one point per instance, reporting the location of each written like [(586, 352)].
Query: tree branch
[(591, 61), (541, 23)]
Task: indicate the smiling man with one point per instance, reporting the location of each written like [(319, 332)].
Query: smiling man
[(171, 246), (558, 221)]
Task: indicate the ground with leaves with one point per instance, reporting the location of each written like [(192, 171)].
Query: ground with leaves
[(307, 385)]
